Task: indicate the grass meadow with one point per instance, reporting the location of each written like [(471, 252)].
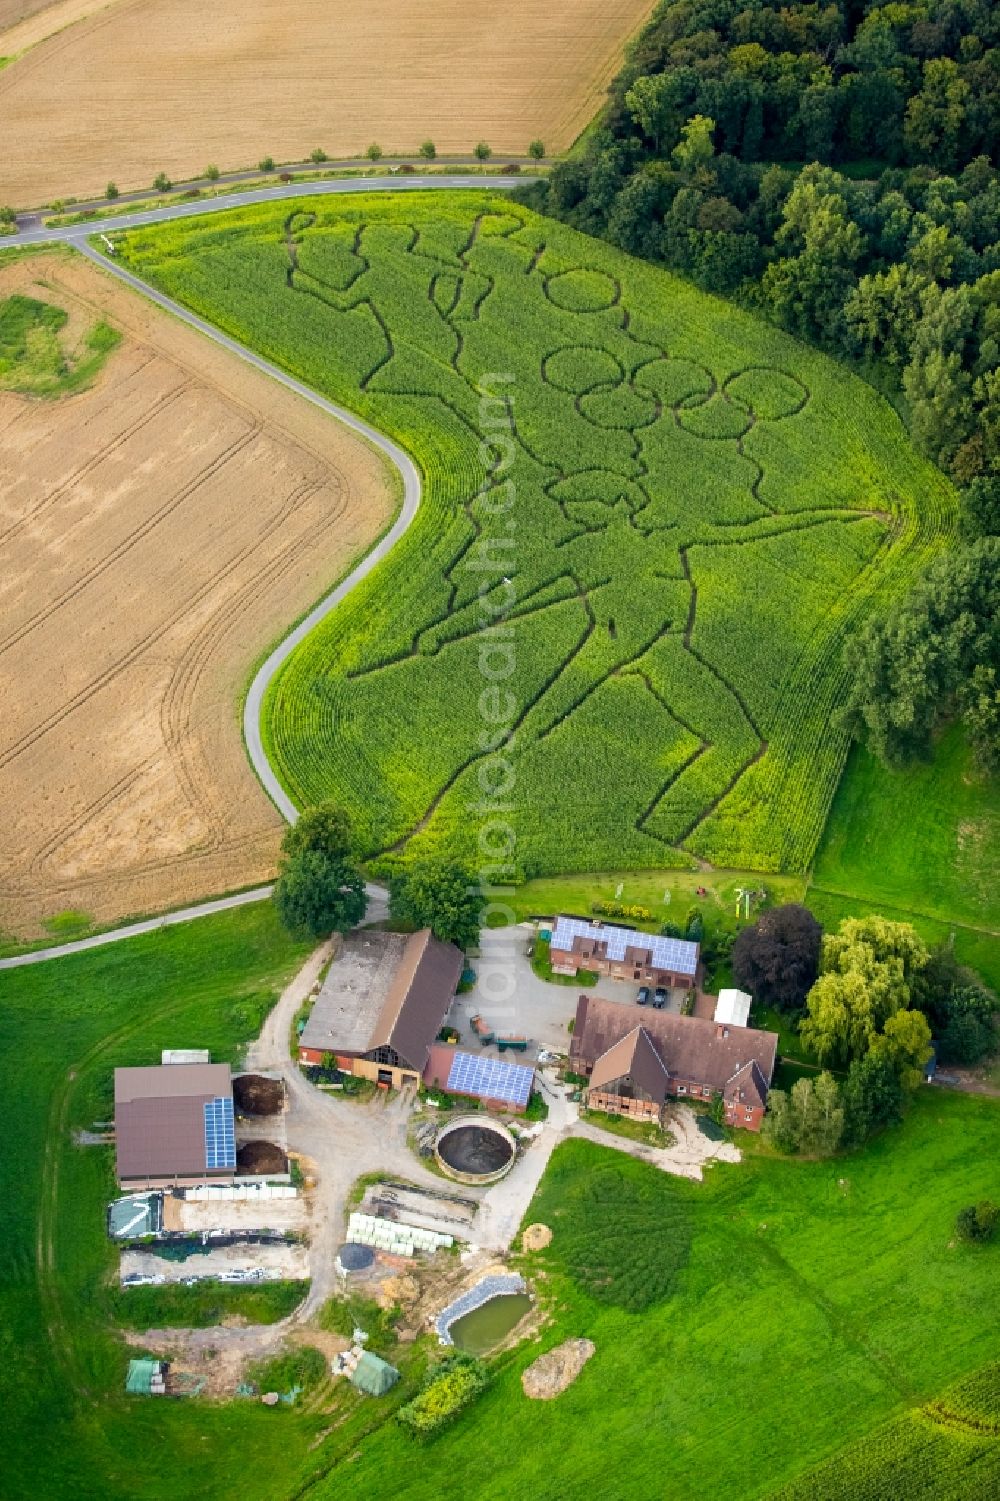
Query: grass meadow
[(746, 1327), (921, 844)]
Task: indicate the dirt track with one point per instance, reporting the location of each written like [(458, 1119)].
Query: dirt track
[(160, 530), (172, 85)]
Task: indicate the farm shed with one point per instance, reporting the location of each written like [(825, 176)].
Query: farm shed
[(733, 1008), (373, 1375), (500, 1085), (382, 1005), (174, 1125)]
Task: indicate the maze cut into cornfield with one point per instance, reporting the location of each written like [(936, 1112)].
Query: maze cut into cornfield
[(649, 522)]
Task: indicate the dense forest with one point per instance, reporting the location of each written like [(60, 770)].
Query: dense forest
[(834, 166)]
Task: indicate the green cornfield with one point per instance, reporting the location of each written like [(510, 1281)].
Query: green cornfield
[(649, 521), (947, 1450)]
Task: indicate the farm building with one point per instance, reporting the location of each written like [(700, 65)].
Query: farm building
[(633, 1067), (500, 1085), (174, 1125), (622, 953), (382, 1005), (733, 1008)]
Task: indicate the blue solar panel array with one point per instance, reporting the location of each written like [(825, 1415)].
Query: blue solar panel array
[(677, 954), (220, 1134), (489, 1079)]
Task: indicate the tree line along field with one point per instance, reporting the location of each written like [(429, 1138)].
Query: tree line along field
[(691, 510), (802, 1305), (165, 511), (232, 82)]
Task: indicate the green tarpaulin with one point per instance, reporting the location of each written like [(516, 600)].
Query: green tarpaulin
[(373, 1375), (139, 1380)]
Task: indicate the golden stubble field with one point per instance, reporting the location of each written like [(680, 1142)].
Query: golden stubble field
[(158, 531), (145, 86)]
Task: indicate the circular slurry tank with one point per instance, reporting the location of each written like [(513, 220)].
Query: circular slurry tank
[(475, 1149)]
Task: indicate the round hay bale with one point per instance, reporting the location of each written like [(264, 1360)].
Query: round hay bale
[(255, 1094), (552, 1373), (261, 1157), (535, 1238)]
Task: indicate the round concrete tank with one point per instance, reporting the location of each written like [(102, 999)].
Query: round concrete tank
[(475, 1149)]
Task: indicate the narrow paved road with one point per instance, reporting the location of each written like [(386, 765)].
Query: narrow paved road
[(194, 208), (133, 929), (31, 218), (78, 237)]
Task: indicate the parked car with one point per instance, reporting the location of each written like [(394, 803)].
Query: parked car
[(660, 998), (644, 997)]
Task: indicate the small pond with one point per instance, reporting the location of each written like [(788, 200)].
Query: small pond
[(481, 1330)]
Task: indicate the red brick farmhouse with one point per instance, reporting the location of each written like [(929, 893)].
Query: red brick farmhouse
[(633, 1066)]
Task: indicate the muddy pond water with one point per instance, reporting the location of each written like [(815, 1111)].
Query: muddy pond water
[(478, 1332)]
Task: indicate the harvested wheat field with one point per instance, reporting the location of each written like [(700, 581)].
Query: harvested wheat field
[(160, 529), (171, 85)]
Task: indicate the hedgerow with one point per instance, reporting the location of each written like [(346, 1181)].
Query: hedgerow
[(449, 1386), (685, 516), (623, 909)]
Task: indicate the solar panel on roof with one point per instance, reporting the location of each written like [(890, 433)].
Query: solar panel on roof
[(220, 1133), (678, 954), (490, 1079)]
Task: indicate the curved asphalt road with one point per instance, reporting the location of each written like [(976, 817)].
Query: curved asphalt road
[(77, 236)]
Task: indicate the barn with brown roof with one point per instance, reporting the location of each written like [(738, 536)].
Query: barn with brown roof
[(382, 1006), (634, 1066), (174, 1125)]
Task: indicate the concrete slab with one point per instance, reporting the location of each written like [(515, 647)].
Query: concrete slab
[(271, 1214)]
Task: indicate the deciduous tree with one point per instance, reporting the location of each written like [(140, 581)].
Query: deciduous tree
[(867, 970), (316, 895), (325, 829), (872, 1097), (777, 958), (440, 895)]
